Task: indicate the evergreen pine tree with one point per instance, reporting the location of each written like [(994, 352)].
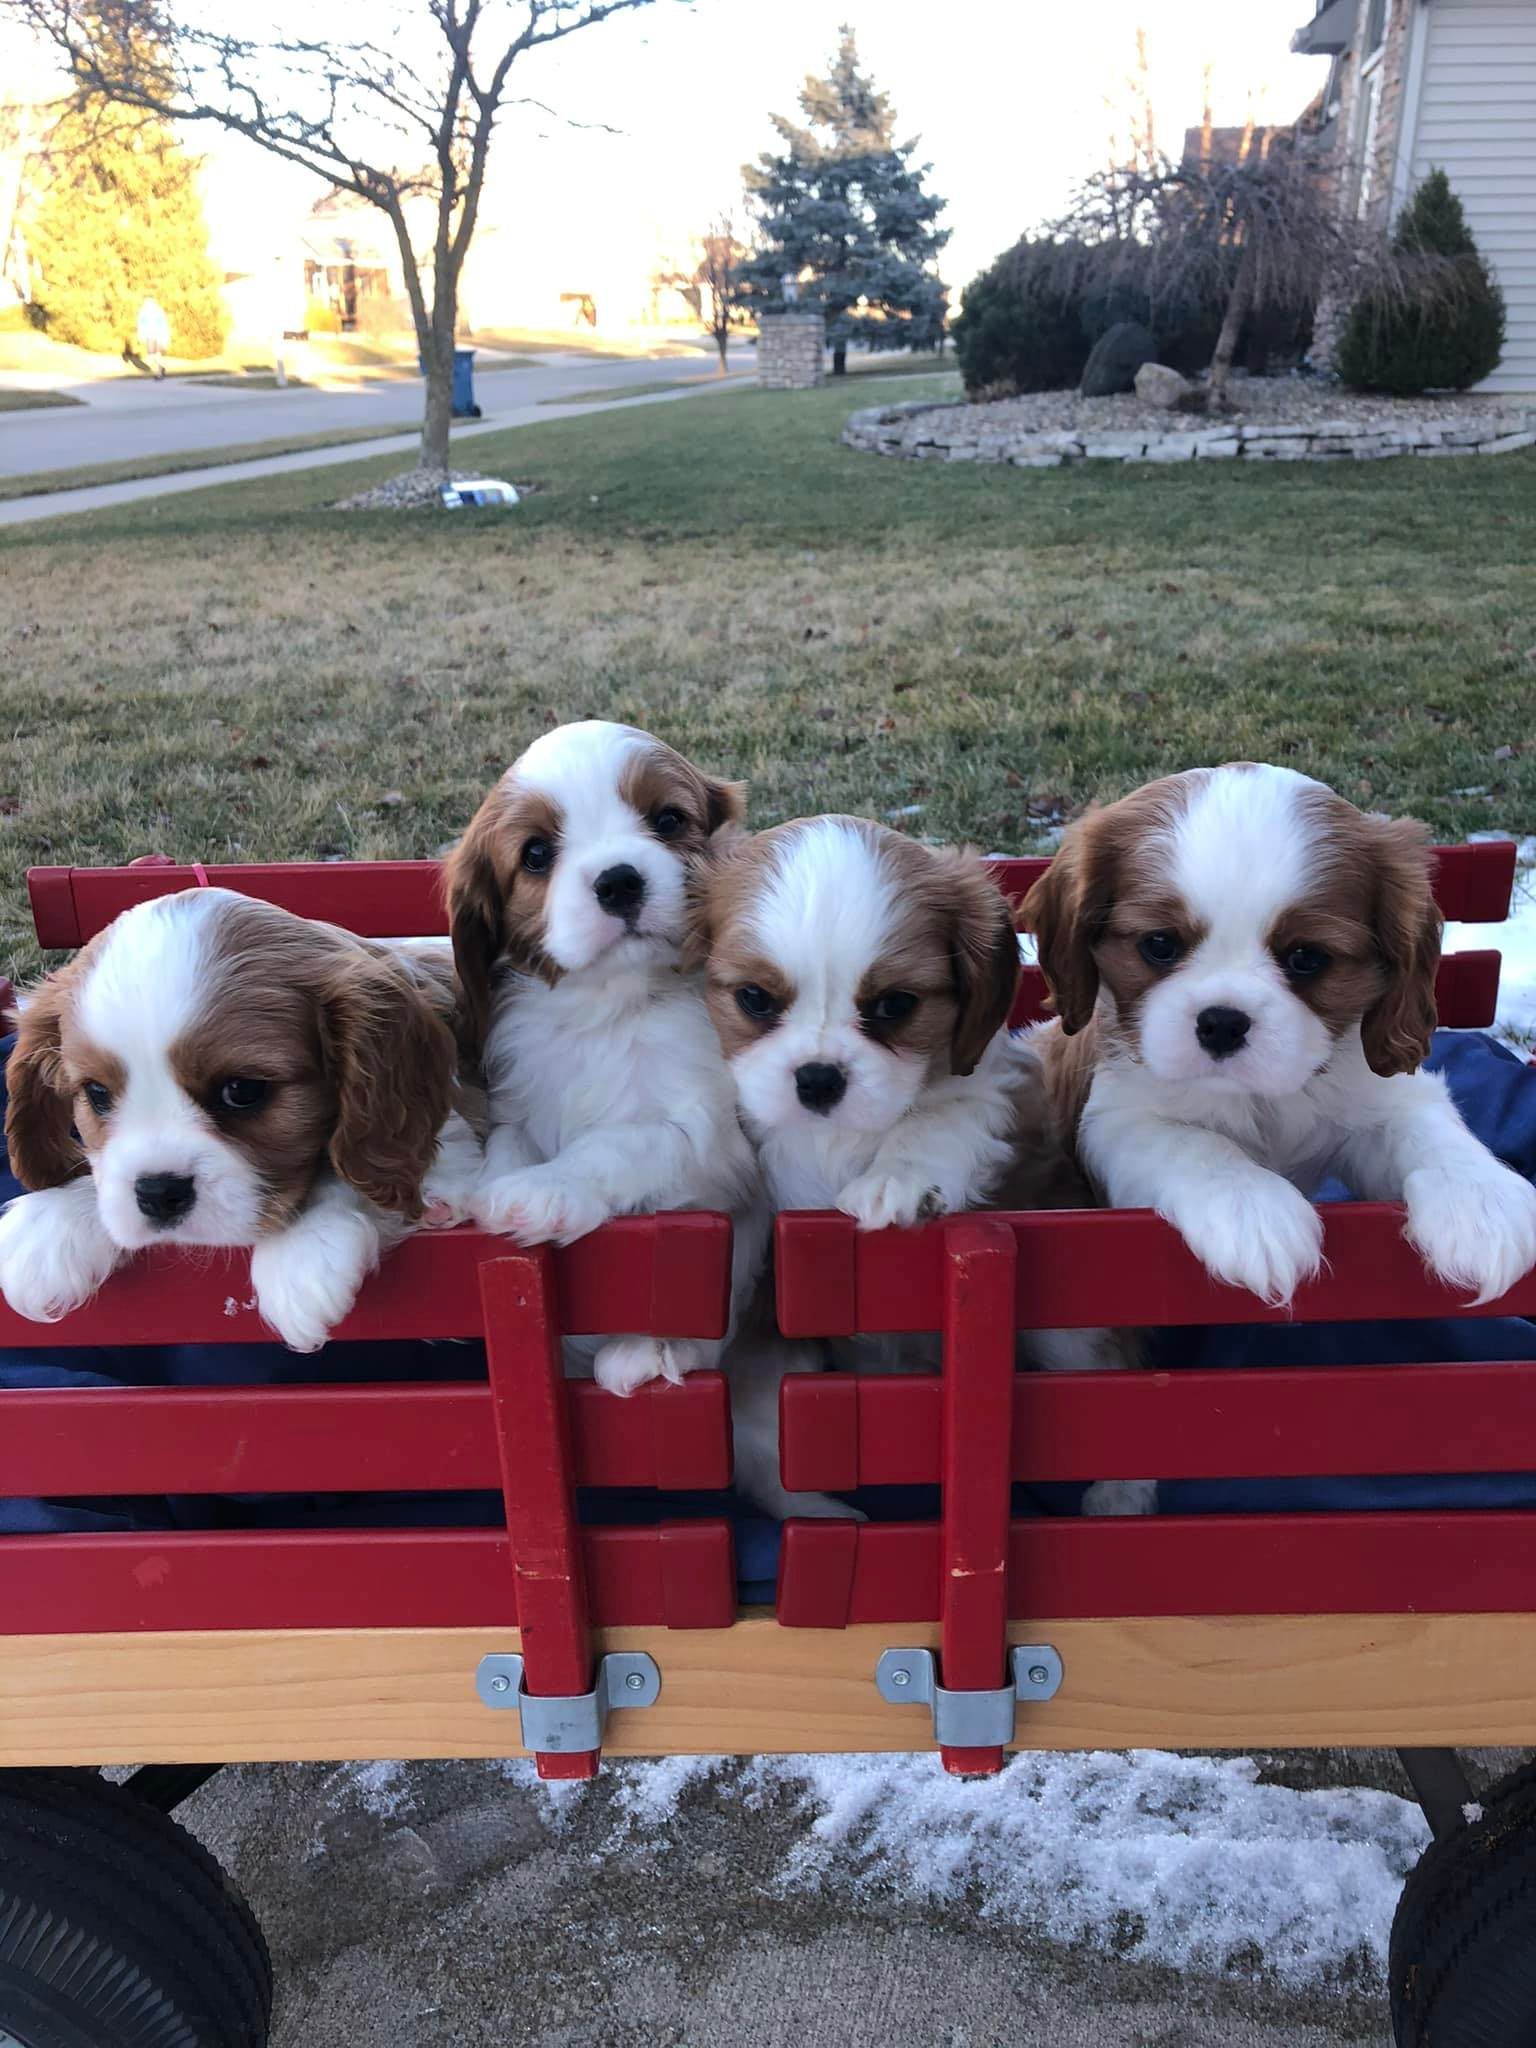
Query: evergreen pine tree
[(120, 220), (845, 202), (1442, 329)]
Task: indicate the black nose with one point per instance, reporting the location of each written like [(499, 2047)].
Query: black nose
[(820, 1088), (1222, 1032), (620, 891), (165, 1197)]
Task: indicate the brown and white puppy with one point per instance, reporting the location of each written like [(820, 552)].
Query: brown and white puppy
[(211, 1070), (860, 984), (608, 1096), (1244, 966)]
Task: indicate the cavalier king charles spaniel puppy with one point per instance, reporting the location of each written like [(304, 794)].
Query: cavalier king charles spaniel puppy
[(211, 1070), (1244, 970), (608, 1097)]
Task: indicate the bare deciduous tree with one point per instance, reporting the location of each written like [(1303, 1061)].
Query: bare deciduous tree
[(710, 287), (404, 120)]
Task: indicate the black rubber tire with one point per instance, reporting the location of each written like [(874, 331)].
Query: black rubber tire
[(117, 1928), (1462, 1963)]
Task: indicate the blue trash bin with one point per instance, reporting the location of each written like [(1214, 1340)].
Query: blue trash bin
[(464, 406)]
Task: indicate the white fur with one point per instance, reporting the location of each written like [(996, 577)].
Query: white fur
[(54, 1253), (608, 1093), (1231, 1152)]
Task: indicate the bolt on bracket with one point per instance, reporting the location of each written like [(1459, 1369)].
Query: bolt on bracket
[(569, 1723), (969, 1720)]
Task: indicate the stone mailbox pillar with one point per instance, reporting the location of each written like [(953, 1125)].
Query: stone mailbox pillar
[(791, 350)]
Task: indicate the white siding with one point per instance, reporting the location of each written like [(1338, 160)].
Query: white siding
[(1477, 122)]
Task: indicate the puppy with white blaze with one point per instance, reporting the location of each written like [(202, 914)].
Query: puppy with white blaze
[(211, 1070), (608, 1096), (1244, 970)]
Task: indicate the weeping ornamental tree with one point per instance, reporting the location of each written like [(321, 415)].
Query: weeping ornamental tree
[(843, 210), (403, 118)]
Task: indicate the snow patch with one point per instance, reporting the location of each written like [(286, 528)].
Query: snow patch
[(1516, 940), (382, 1789)]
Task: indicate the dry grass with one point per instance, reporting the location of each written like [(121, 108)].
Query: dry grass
[(242, 674)]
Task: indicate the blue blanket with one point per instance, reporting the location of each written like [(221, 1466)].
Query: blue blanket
[(1495, 1091)]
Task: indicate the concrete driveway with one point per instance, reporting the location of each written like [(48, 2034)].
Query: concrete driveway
[(128, 417)]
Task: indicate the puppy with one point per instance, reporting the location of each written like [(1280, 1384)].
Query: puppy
[(211, 1070), (1244, 967), (608, 1096), (860, 984)]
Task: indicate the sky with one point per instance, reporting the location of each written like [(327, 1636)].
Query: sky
[(1014, 100)]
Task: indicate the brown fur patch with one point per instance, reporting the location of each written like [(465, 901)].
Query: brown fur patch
[(656, 779), (495, 905), (43, 1150)]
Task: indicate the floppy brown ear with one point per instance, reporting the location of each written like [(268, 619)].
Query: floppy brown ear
[(1397, 1028), (984, 952), (725, 803), (391, 1058), (1060, 914), (39, 1138), (706, 882), (476, 921)]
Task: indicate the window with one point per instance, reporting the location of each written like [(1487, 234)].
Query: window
[(1375, 27)]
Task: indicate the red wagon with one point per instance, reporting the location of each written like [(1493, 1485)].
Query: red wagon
[(970, 1631)]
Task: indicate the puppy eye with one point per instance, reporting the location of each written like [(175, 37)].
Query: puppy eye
[(756, 1003), (669, 821), (98, 1097), (539, 856), (1305, 961), (241, 1094), (1160, 949), (891, 1008)]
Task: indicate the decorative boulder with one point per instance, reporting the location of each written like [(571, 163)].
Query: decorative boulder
[(1117, 355), (1156, 384)]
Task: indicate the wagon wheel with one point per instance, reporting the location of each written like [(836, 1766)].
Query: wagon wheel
[(1462, 1962), (117, 1929)]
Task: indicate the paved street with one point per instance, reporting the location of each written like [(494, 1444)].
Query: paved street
[(126, 417)]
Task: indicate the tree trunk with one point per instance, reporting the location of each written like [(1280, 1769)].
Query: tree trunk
[(839, 360), (439, 412), (1232, 328), (722, 342)]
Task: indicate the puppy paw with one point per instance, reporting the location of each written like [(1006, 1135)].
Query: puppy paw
[(537, 1206), (880, 1201), (1475, 1228), (626, 1363), (1121, 1497), (306, 1280), (1259, 1233), (54, 1254)]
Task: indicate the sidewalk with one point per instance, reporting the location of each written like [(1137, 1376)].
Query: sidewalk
[(98, 497)]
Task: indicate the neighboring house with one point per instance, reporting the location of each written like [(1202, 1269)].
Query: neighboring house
[(1418, 85)]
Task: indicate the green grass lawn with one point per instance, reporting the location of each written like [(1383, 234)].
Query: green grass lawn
[(243, 674), (12, 400), (605, 394)]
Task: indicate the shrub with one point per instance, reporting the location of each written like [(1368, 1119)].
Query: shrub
[(320, 317), (1019, 326), (1434, 321)]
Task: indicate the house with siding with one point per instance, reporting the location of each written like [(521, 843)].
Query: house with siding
[(1417, 85)]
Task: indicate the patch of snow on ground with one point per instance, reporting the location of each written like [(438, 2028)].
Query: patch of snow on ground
[(1185, 1861), (1516, 940), (382, 1789)]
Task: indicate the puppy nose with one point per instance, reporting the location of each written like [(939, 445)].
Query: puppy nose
[(165, 1197), (620, 890), (1222, 1031), (820, 1088)]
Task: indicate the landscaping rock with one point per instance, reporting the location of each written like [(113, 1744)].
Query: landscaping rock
[(1156, 384), (1117, 355)]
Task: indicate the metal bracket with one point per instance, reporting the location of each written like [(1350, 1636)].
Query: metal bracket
[(573, 1722), (969, 1720)]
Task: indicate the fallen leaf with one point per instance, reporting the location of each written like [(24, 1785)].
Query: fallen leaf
[(392, 797), (258, 761)]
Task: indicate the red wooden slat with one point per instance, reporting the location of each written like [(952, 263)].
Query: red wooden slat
[(977, 1393), (375, 1578), (359, 1439), (839, 1431), (1466, 1563), (1082, 1268), (426, 1287), (1466, 992), (523, 1354)]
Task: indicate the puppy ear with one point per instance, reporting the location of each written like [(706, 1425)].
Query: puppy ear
[(706, 876), (725, 803), (477, 923), (984, 953), (1397, 1028), (43, 1149), (1060, 914), (391, 1058)]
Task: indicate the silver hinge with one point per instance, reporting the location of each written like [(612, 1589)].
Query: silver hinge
[(969, 1720), (570, 1722)]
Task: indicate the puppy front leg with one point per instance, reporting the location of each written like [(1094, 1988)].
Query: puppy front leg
[(306, 1276), (54, 1252), (1470, 1217), (451, 1181), (619, 1172), (1247, 1226), (941, 1157)]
